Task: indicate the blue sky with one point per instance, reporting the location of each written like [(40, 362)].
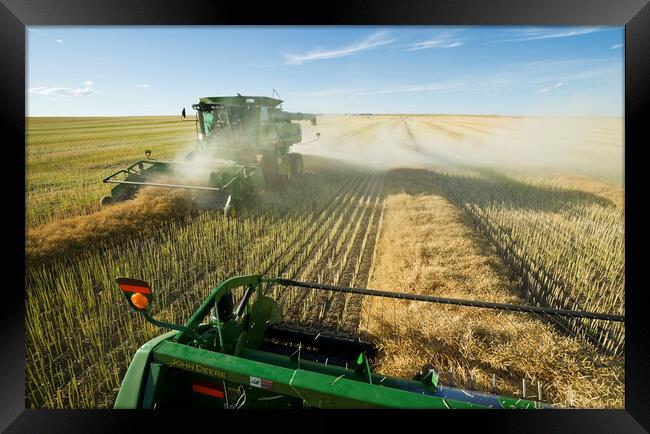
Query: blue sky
[(119, 71)]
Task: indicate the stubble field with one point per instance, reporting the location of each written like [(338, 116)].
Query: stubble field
[(503, 209)]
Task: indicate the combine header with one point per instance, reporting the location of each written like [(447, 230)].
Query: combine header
[(243, 146), (244, 357)]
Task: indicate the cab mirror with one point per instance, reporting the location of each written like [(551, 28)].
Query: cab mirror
[(138, 293)]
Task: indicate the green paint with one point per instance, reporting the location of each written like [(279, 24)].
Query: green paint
[(164, 370), (229, 128)]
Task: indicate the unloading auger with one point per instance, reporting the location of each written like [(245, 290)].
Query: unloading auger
[(228, 357)]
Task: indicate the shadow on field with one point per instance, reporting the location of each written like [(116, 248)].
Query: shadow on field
[(490, 187)]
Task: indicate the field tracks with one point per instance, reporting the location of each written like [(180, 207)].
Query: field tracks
[(338, 250), (564, 247)]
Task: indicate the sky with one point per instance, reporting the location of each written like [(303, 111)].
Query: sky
[(528, 71)]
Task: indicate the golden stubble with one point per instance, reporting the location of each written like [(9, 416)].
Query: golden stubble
[(151, 208), (428, 246)]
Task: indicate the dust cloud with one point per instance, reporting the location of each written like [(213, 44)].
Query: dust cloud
[(590, 146)]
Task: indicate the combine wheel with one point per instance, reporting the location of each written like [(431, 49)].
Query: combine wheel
[(288, 172), (269, 164), (296, 163), (106, 201), (230, 212)]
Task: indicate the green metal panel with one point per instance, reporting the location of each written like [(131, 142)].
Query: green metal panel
[(152, 384), (215, 296), (270, 379), (135, 379), (264, 313), (317, 390)]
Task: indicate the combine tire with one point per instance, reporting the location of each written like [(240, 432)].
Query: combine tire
[(230, 212), (296, 164), (288, 166), (106, 201), (272, 176)]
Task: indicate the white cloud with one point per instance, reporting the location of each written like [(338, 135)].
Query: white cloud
[(87, 90), (375, 40), (143, 85), (434, 43), (536, 33), (550, 88), (59, 41), (615, 46), (443, 40)]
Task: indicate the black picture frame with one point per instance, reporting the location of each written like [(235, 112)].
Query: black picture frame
[(15, 15)]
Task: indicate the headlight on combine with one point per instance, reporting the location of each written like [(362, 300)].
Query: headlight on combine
[(139, 301)]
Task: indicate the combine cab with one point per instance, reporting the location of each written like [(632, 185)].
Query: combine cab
[(244, 357), (243, 146)]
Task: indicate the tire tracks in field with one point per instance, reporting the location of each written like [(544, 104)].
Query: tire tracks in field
[(454, 135), (416, 147), (357, 132)]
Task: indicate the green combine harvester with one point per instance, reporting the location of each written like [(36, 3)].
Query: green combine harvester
[(227, 357), (244, 145)]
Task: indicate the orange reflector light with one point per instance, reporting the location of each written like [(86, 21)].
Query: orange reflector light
[(139, 301), (134, 288), (208, 389)]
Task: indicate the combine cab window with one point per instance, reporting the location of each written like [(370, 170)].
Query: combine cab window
[(264, 114), (223, 118), (207, 120)]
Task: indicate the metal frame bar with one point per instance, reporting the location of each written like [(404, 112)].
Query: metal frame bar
[(255, 280), (130, 171), (454, 301)]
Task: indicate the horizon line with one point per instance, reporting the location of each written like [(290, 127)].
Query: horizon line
[(351, 114)]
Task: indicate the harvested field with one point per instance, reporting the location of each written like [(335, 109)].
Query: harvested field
[(428, 246), (67, 237), (476, 215), (187, 259), (66, 158)]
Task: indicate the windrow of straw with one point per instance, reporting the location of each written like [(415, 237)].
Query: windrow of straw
[(429, 246), (151, 208)]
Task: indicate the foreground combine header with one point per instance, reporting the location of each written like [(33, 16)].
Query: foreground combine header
[(243, 357), (243, 146)]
